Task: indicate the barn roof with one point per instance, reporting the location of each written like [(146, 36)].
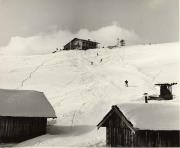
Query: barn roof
[(25, 103), (147, 116), (152, 116), (82, 40)]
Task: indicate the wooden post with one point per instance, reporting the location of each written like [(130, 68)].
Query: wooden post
[(146, 99)]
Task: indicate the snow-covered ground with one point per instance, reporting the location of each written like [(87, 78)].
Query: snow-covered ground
[(82, 94)]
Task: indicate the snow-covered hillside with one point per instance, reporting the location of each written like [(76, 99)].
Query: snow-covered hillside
[(81, 93)]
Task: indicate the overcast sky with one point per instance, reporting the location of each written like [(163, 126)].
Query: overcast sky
[(154, 21)]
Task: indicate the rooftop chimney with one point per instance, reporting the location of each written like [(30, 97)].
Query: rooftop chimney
[(146, 97)]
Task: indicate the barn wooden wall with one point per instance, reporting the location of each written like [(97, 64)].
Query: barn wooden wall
[(21, 128), (157, 138), (119, 137), (119, 134)]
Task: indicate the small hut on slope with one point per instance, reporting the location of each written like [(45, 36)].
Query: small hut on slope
[(166, 90), (142, 125), (23, 114)]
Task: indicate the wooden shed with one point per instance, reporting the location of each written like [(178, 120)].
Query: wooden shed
[(142, 125), (23, 114), (80, 44), (166, 90)]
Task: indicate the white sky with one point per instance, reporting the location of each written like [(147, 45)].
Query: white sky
[(154, 21)]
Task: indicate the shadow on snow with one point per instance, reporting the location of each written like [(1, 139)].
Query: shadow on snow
[(75, 130)]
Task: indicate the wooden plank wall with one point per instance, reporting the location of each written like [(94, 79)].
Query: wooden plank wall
[(21, 128), (117, 133), (119, 137), (150, 138)]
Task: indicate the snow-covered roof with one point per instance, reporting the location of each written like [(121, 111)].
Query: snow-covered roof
[(82, 40), (152, 116), (25, 103)]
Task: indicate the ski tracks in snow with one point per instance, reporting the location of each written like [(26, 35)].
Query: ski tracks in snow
[(30, 75), (34, 71)]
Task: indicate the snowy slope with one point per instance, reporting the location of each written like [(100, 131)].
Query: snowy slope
[(81, 93)]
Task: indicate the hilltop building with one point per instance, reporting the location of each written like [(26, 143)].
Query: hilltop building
[(80, 44)]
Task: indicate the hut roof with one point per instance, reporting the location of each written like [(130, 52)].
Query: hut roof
[(168, 84), (25, 103), (161, 116), (82, 40), (85, 40)]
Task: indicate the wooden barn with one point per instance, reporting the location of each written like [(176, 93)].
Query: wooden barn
[(142, 125), (23, 114), (80, 44)]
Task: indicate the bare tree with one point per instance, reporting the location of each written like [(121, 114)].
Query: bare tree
[(122, 42)]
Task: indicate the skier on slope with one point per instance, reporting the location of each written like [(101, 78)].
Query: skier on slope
[(126, 83)]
